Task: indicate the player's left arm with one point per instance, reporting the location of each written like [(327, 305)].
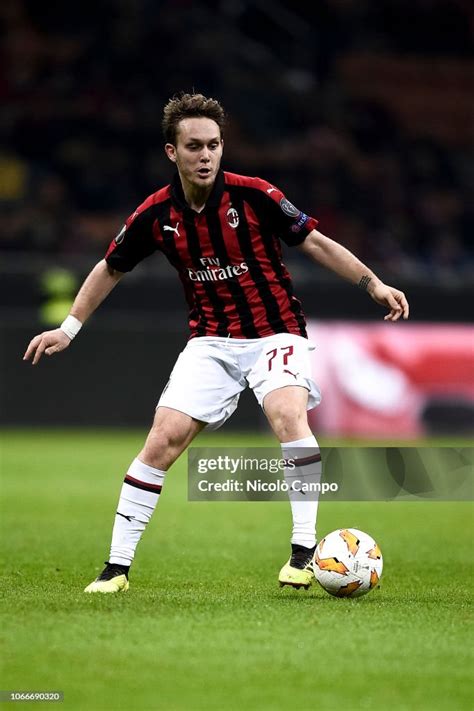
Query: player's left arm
[(334, 256)]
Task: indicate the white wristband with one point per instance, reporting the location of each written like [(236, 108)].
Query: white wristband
[(71, 326)]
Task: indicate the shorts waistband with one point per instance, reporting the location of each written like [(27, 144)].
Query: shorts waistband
[(230, 340)]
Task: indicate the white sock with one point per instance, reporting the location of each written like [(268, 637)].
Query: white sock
[(139, 495), (304, 512)]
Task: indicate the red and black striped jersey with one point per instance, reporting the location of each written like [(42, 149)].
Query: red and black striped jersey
[(228, 256)]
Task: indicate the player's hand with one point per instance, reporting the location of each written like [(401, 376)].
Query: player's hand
[(393, 299), (48, 342)]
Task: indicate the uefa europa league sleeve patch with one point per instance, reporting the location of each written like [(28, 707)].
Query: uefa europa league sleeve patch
[(288, 208), (302, 220)]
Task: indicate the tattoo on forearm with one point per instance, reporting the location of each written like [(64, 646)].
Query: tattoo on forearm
[(364, 282)]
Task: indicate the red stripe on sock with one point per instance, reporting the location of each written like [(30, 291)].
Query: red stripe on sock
[(307, 460), (155, 488)]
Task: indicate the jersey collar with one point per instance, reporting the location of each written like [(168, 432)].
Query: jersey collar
[(213, 200)]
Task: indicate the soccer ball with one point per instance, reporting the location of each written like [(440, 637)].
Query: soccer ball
[(348, 563)]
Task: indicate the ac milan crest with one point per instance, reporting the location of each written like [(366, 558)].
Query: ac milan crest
[(232, 217)]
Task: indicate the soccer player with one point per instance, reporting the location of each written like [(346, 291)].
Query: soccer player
[(222, 233)]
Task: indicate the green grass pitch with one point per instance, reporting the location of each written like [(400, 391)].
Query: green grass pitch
[(205, 625)]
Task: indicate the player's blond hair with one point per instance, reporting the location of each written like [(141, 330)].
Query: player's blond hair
[(184, 106)]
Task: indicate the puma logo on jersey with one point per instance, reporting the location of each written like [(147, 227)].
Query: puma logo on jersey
[(168, 228), (290, 373), (271, 190)]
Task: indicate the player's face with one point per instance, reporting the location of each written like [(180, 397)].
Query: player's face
[(198, 151)]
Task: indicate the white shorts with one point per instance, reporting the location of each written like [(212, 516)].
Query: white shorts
[(211, 372)]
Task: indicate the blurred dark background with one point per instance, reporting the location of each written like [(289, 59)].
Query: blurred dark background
[(361, 112)]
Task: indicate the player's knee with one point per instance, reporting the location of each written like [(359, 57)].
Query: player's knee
[(159, 452), (288, 423), (163, 438)]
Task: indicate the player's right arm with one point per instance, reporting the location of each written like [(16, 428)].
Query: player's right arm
[(134, 242), (92, 293)]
